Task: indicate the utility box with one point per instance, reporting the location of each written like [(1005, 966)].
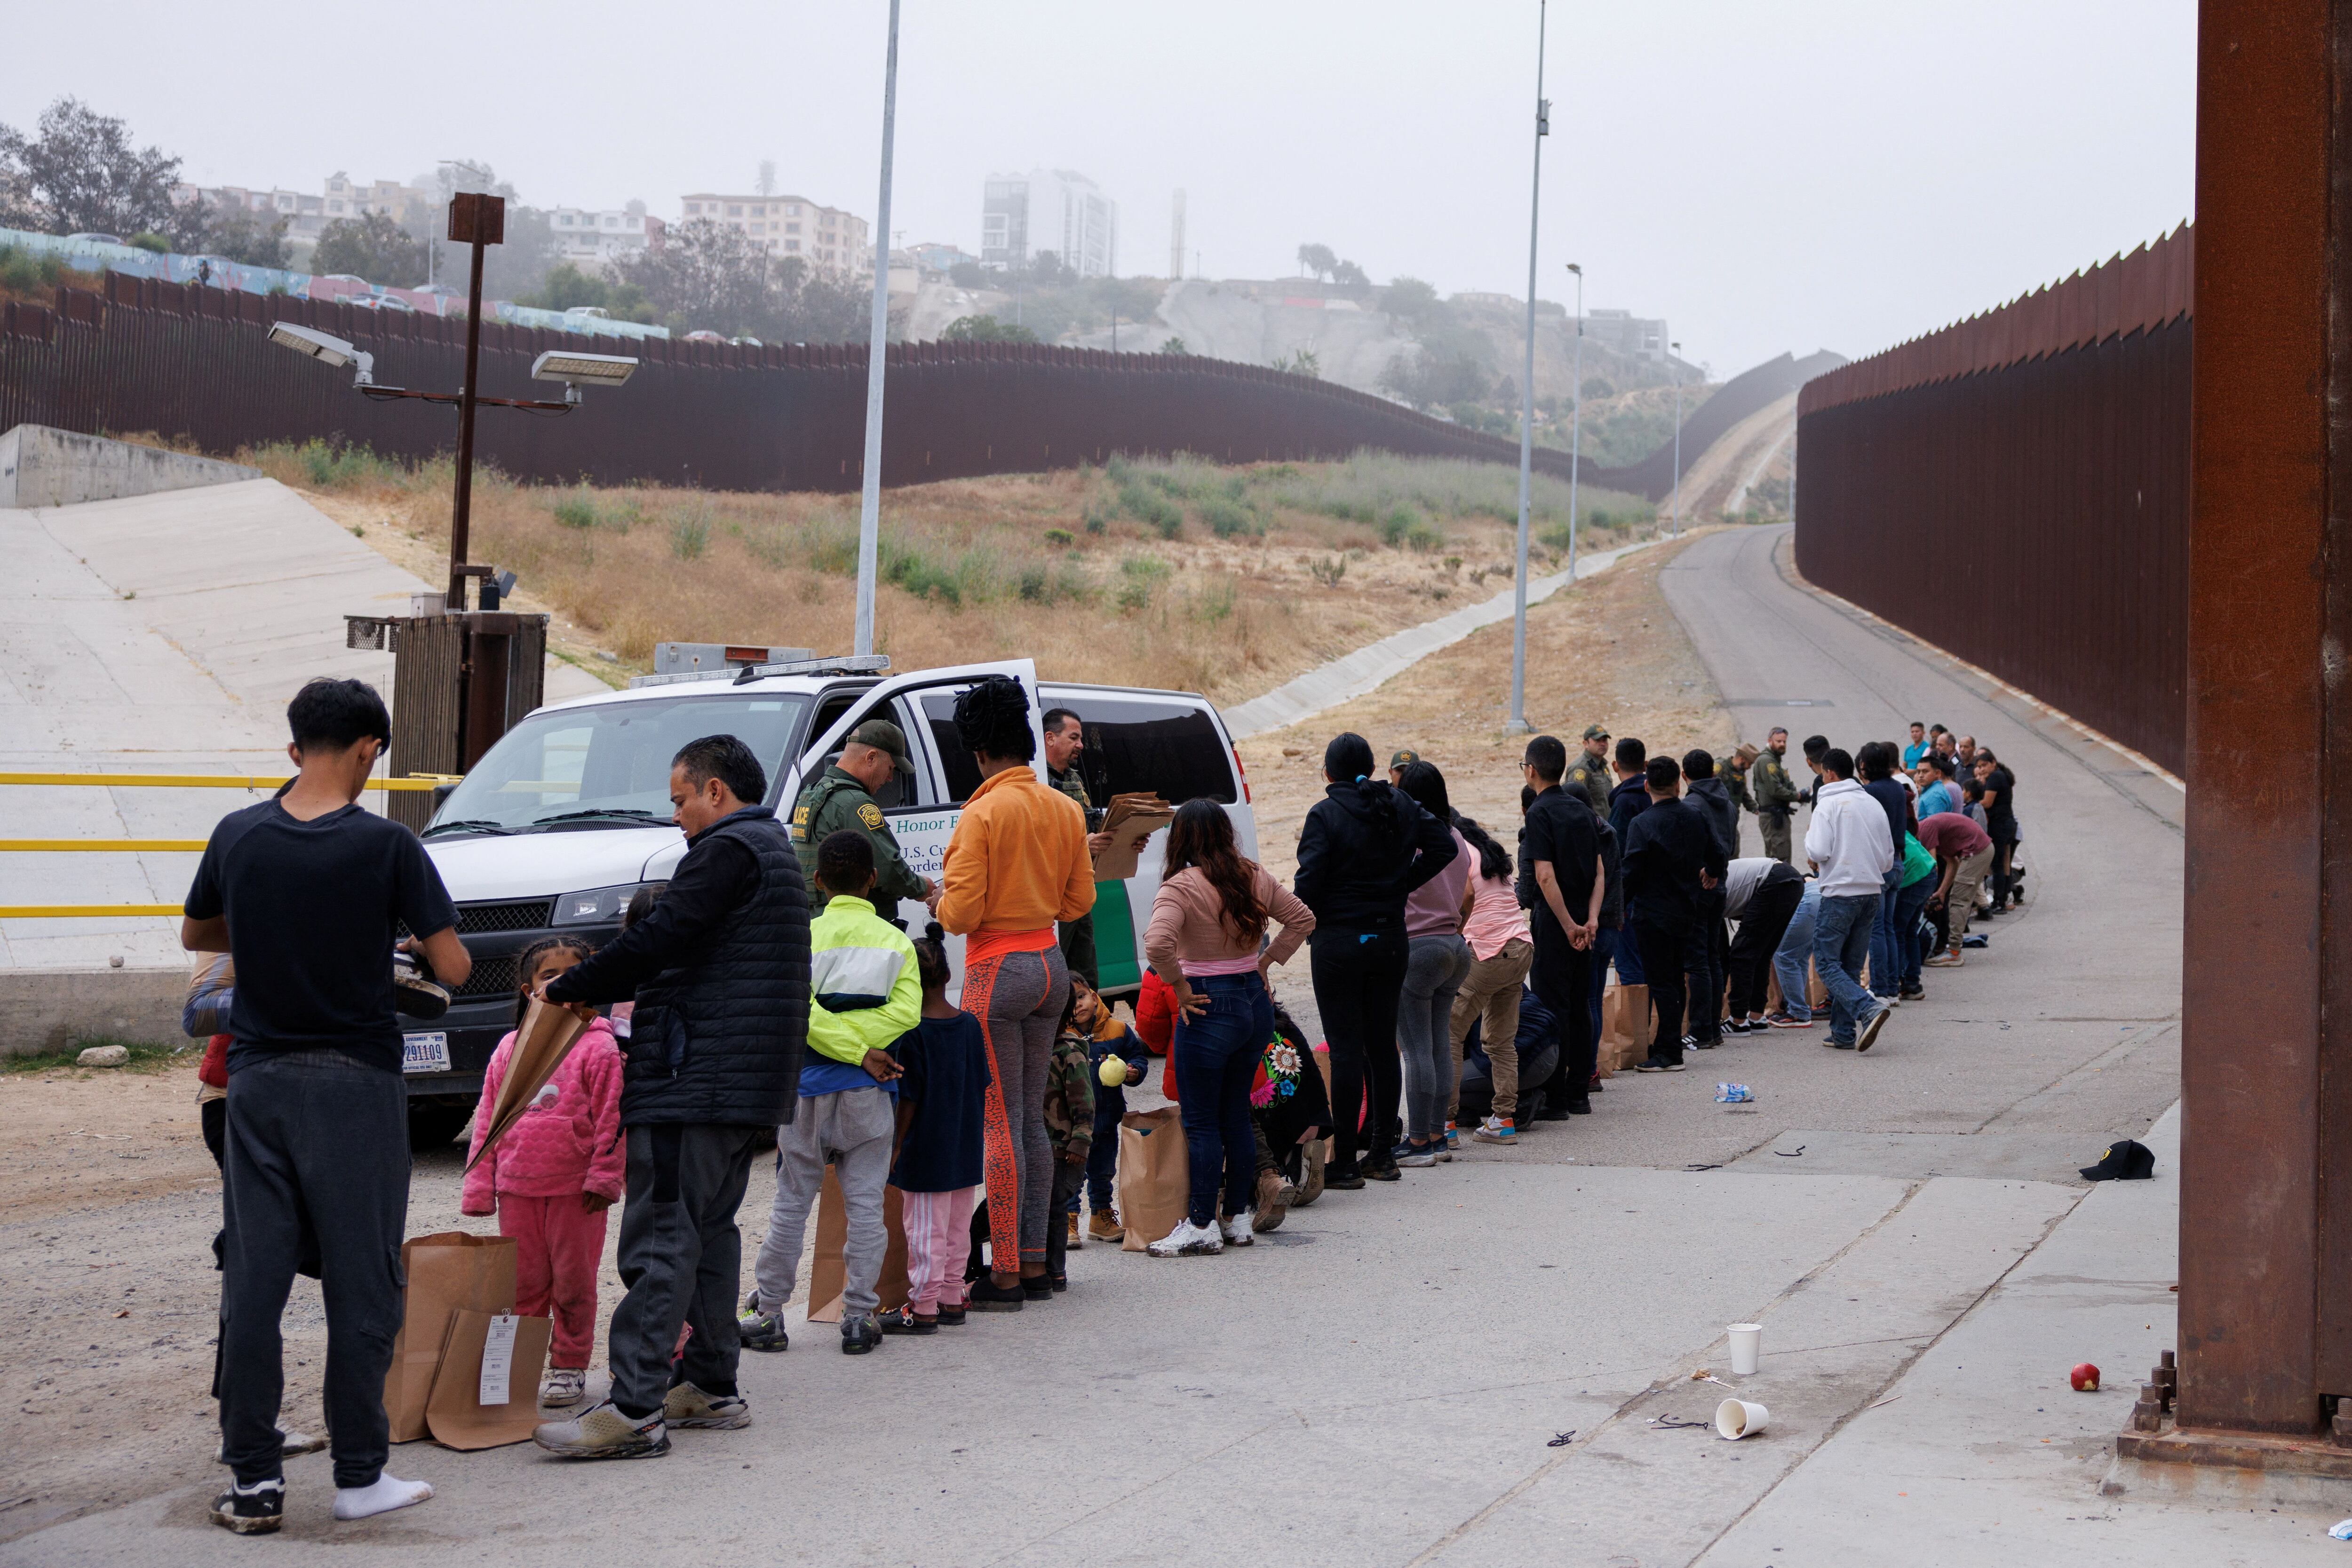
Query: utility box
[(458, 683)]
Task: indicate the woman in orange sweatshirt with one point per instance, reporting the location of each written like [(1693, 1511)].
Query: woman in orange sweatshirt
[(1017, 863)]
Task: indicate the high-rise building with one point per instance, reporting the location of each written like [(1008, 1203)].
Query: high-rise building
[(581, 235), (829, 239), (1060, 210)]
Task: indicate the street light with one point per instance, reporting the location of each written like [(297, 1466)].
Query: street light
[(1674, 369), (1517, 723), (330, 351), (1576, 423), (869, 508), (571, 369)]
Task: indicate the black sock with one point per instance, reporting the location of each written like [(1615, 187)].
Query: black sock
[(722, 1389), (634, 1415)]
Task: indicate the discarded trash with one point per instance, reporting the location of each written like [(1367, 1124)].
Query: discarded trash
[(1704, 1375), (1667, 1423), (1746, 1342), (103, 1056), (1732, 1094), (2085, 1378), (1792, 1153), (1737, 1418), (2129, 1160), (1888, 1400), (2342, 1531), (1560, 1440), (1717, 1166)]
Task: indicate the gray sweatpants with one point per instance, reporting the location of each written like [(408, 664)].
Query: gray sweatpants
[(315, 1177), (1435, 967), (681, 1260), (851, 1131)]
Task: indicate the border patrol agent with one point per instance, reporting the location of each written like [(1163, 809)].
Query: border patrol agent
[(843, 797), (1590, 772), (1774, 797)]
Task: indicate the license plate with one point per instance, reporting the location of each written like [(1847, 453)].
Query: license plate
[(425, 1053)]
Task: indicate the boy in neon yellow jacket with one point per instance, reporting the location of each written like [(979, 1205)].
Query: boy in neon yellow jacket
[(864, 993)]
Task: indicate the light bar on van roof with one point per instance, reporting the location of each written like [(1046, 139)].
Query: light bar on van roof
[(848, 664)]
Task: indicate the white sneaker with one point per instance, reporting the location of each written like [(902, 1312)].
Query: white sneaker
[(564, 1386), (1188, 1238), (1237, 1230)]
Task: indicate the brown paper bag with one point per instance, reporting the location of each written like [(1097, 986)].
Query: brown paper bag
[(456, 1412), (829, 1273), (448, 1272), (1154, 1177), (1130, 820), (546, 1037), (1627, 1029)]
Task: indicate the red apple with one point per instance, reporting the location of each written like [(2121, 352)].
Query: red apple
[(2085, 1378)]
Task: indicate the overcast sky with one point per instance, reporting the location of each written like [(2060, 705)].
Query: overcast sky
[(1839, 174)]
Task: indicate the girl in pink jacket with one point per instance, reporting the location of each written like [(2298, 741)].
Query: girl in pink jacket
[(553, 1176)]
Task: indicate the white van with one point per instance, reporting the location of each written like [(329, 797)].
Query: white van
[(569, 815)]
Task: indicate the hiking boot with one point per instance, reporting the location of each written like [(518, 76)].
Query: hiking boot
[(1272, 1204), (1237, 1231), (859, 1334), (1103, 1226), (256, 1510), (686, 1405), (761, 1330), (907, 1320), (1187, 1240), (1495, 1129), (1870, 1028), (1077, 1241), (602, 1432), (985, 1295), (565, 1386)]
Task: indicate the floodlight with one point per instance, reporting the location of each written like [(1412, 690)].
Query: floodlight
[(561, 364), (331, 351)]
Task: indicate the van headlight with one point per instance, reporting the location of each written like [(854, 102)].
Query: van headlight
[(597, 906)]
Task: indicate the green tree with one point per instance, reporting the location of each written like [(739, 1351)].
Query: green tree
[(232, 233), (1318, 260), (79, 173), (374, 246), (984, 330), (565, 287), (1411, 301), (1347, 275), (706, 277), (1175, 345)]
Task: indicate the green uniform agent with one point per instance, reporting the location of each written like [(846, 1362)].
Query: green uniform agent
[(1775, 799), (1077, 936), (1591, 774), (836, 801)]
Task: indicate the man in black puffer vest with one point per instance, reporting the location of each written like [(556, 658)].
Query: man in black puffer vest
[(720, 970)]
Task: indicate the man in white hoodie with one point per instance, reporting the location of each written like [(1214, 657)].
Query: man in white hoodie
[(1852, 850)]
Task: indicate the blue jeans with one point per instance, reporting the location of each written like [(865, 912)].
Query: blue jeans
[(1841, 944), (1217, 1055), (1885, 951), (1796, 947), (1908, 948)]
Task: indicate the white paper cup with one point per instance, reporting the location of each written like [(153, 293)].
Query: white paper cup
[(1746, 1340), (1737, 1418)]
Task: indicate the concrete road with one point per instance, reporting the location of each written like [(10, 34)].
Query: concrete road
[(1382, 1380)]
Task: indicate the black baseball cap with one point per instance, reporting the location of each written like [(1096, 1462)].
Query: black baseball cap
[(2128, 1161)]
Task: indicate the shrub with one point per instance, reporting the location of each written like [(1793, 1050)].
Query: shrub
[(1422, 537), (1228, 517), (1400, 522), (1327, 569), (576, 510), (1142, 577), (689, 533), (1060, 536)]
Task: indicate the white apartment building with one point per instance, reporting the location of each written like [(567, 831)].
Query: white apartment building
[(829, 239), (1058, 210), (305, 214), (582, 235)]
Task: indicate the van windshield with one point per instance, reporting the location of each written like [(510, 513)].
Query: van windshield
[(607, 764)]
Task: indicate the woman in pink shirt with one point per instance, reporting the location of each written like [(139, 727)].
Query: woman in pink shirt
[(1208, 922), (1437, 962), (1500, 952)]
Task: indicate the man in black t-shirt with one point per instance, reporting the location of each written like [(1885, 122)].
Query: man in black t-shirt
[(1672, 863), (304, 892), (1561, 845), (2000, 789)]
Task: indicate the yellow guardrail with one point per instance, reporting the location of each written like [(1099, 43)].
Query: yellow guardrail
[(149, 846)]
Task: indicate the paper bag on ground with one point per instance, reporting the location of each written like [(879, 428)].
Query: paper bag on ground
[(546, 1037), (1626, 1031), (487, 1393), (829, 1273), (448, 1272), (1154, 1180), (1130, 821)]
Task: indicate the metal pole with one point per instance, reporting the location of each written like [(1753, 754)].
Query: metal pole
[(1674, 369), (869, 512), (461, 513), (1576, 423), (1517, 724)]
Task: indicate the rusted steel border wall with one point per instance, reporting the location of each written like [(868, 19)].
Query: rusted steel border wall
[(193, 362), (2015, 490)]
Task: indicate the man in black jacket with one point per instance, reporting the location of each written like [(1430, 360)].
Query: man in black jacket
[(1562, 846), (1671, 864), (1707, 793), (720, 971)]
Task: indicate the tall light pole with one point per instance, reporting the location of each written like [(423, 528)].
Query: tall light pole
[(1674, 369), (1576, 422), (869, 510), (1517, 724)]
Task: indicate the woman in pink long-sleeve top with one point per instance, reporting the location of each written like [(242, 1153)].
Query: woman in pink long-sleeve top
[(1208, 924)]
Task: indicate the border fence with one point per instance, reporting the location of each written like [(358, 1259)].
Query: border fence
[(2015, 490)]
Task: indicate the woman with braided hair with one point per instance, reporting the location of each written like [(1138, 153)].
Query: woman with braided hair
[(1016, 864)]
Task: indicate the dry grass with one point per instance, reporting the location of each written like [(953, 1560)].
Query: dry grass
[(1183, 573)]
